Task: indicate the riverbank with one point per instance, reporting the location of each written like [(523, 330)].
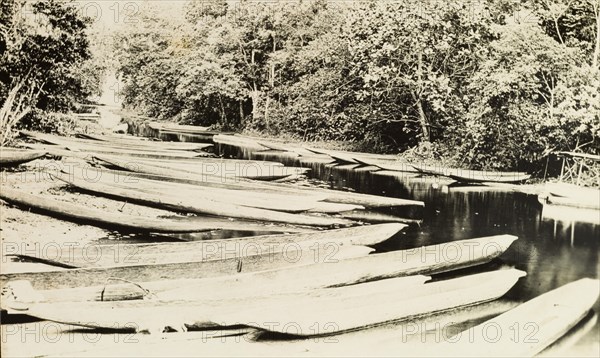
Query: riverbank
[(450, 214)]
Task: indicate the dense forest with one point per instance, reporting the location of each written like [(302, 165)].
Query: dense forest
[(484, 84), (47, 64)]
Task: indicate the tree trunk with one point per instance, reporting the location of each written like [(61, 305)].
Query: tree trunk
[(597, 45), (255, 103), (267, 100), (241, 113), (423, 121), (417, 97), (223, 116)]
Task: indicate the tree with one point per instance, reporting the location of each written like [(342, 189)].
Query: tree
[(43, 45)]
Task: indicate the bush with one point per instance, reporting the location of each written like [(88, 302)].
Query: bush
[(49, 122)]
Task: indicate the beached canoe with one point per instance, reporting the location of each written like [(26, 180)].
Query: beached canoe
[(336, 309), (288, 255), (75, 144), (405, 338), (273, 146), (104, 255), (334, 196), (568, 214), (391, 165), (135, 144), (222, 161), (338, 156), (565, 194), (84, 215), (242, 185), (251, 170), (178, 127), (210, 172), (205, 206), (14, 156), (273, 201), (129, 155), (376, 217), (592, 202), (473, 176), (58, 151), (238, 141), (532, 326), (339, 270)]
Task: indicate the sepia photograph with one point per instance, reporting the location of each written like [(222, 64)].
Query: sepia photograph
[(300, 178)]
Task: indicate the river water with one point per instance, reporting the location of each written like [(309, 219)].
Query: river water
[(553, 249)]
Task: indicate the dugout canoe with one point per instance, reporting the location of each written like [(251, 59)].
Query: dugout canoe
[(241, 185), (391, 165), (79, 145), (333, 196), (125, 139), (473, 176), (592, 202), (139, 145), (336, 270), (13, 156), (131, 223), (338, 156), (103, 255), (213, 172), (568, 214), (223, 161), (376, 217), (286, 256), (572, 195), (348, 308), (125, 155), (394, 339), (274, 201), (59, 151), (238, 141), (206, 206), (539, 323), (249, 170)]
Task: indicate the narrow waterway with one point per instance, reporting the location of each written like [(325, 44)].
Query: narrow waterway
[(552, 250)]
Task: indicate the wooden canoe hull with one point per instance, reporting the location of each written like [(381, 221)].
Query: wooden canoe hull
[(99, 276), (335, 310), (206, 206), (473, 176), (108, 255), (13, 156), (541, 320), (337, 269), (84, 215)]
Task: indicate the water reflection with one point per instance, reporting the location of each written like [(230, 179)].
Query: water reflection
[(554, 249)]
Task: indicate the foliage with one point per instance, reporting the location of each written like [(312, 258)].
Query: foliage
[(487, 88), (45, 58), (49, 122)]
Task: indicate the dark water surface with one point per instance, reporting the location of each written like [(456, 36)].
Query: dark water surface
[(553, 252)]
